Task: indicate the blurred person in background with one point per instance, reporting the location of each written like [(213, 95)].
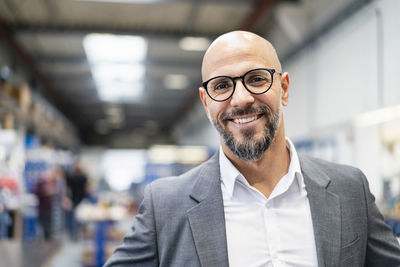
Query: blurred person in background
[(61, 201), (77, 181), (256, 202), (45, 189)]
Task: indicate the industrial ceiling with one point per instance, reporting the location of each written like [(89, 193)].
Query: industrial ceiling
[(47, 36)]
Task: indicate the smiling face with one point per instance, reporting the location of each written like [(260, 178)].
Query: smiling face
[(247, 123)]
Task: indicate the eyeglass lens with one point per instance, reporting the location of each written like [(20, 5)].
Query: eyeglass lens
[(256, 81)]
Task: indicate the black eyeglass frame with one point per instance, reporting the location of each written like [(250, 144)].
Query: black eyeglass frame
[(271, 71)]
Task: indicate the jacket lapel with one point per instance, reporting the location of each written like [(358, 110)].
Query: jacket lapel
[(207, 218), (325, 212)]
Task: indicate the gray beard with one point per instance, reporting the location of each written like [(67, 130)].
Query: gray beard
[(250, 149)]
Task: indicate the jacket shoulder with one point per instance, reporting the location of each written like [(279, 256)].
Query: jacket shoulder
[(339, 174), (329, 165)]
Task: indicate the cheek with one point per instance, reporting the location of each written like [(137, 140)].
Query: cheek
[(272, 99), (215, 110)]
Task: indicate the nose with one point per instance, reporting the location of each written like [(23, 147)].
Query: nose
[(241, 97)]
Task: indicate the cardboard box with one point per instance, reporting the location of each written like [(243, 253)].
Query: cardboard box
[(7, 88), (8, 121), (23, 96)]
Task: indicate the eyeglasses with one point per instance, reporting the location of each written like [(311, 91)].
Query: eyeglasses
[(257, 81)]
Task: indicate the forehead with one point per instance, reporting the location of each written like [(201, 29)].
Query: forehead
[(234, 65), (235, 57)]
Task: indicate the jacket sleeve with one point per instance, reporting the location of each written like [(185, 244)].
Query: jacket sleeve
[(139, 247), (382, 248)]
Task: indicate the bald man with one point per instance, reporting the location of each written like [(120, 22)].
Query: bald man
[(256, 202)]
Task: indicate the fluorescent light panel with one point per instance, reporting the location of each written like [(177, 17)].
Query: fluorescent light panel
[(121, 92), (116, 65), (194, 43), (118, 73), (176, 81), (378, 116), (114, 48)]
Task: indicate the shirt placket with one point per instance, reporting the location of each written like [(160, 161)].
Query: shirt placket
[(272, 233)]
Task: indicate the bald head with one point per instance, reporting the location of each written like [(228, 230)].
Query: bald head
[(238, 46)]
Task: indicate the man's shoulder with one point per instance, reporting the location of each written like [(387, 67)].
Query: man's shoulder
[(339, 174), (328, 166)]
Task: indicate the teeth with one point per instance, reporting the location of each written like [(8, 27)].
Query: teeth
[(245, 120)]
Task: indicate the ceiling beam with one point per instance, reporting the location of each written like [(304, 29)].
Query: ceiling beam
[(81, 60), (52, 11), (59, 28), (259, 9), (13, 9), (56, 26)]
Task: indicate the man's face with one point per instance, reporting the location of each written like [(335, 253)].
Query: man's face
[(246, 122)]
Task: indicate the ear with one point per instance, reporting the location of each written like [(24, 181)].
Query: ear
[(285, 88), (203, 98)]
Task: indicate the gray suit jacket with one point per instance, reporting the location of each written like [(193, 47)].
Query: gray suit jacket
[(181, 220)]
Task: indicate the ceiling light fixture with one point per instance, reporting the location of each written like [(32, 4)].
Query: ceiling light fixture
[(194, 43), (378, 116), (117, 65), (114, 48), (176, 81)]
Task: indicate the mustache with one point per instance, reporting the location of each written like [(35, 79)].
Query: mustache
[(263, 110)]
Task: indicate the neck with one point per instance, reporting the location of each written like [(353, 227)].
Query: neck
[(265, 173)]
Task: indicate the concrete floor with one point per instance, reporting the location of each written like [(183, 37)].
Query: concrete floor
[(69, 255), (24, 254)]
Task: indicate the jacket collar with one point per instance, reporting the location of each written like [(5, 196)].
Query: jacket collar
[(207, 179), (207, 218), (325, 211)]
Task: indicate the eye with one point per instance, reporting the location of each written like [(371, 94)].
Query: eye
[(222, 86), (257, 80)]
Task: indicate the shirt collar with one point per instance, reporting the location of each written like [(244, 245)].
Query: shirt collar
[(294, 167), (229, 173)]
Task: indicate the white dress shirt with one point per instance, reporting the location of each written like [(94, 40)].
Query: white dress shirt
[(275, 231)]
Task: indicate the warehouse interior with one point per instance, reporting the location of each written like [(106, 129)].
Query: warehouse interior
[(107, 90)]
